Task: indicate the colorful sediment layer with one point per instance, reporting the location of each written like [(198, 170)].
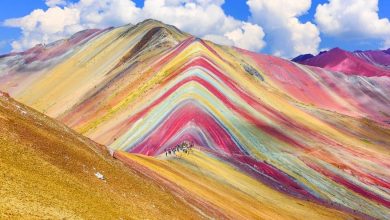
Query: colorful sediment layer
[(47, 171), (220, 187), (363, 63), (288, 132)]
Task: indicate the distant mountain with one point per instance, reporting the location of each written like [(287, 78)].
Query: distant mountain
[(376, 57), (272, 138), (302, 57), (364, 63), (51, 51), (48, 171)]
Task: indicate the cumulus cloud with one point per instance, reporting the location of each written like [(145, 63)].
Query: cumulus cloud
[(248, 36), (44, 26), (62, 19), (286, 35), (206, 18), (386, 44), (105, 13), (203, 18), (356, 19), (52, 3)]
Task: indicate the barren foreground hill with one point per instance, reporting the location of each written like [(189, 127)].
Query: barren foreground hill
[(272, 139), (47, 171)]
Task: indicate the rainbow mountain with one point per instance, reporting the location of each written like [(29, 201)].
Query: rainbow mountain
[(48, 172), (273, 138), (365, 63)]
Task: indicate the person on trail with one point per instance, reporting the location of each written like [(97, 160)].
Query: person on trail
[(190, 147)]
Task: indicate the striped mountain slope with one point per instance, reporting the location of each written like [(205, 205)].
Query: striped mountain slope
[(291, 131), (48, 172)]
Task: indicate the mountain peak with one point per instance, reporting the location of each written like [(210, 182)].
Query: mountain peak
[(338, 50), (156, 23), (302, 57), (365, 63), (148, 21), (152, 21), (148, 88)]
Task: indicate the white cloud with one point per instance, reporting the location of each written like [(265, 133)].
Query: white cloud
[(203, 18), (44, 26), (62, 19), (206, 18), (52, 3), (286, 35), (196, 17), (248, 36), (386, 44), (356, 19), (105, 13)]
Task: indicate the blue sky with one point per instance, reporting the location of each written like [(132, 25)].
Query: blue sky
[(241, 12)]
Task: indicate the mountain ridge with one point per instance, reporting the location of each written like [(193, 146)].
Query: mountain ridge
[(48, 171), (365, 63), (278, 120)]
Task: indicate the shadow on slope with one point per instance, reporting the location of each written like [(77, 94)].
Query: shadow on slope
[(48, 171)]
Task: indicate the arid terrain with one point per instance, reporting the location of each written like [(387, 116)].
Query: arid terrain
[(47, 171)]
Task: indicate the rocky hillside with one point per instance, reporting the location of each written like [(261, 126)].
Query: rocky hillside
[(50, 172), (360, 63), (299, 132)]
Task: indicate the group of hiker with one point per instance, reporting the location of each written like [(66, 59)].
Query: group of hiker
[(185, 147)]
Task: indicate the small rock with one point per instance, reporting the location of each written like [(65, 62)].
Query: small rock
[(249, 69), (99, 176)]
